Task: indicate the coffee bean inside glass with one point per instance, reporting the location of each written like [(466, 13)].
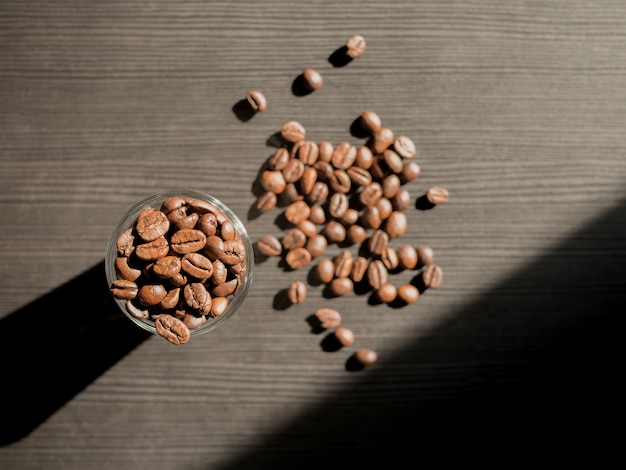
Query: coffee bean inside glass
[(179, 263)]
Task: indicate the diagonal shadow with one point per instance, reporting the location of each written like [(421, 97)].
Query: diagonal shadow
[(529, 372), (54, 347)]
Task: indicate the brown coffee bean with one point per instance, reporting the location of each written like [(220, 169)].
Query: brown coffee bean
[(202, 207), (124, 270), (225, 288), (410, 171), (296, 292), (172, 329), (407, 257), (324, 270), (359, 268), (319, 193), (345, 336), (227, 230), (312, 79), (390, 258), (220, 272), (172, 203), (425, 255), (193, 322), (391, 184), (402, 200), (324, 170), (370, 217), (364, 157), (340, 286), (334, 232), (293, 131), (208, 223), (327, 317), (124, 289), (293, 171), (437, 195), (278, 160), (308, 228), (393, 161), (214, 247), (356, 234), (167, 267), (370, 122), (290, 194), (151, 294), (340, 182), (386, 293), (269, 245), (366, 357), (153, 250), (355, 46), (316, 245), (187, 222), (350, 217), (359, 176), (273, 180), (197, 297), (408, 293), (404, 146), (343, 263), (376, 273), (317, 215), (305, 150), (370, 194), (293, 238), (297, 258), (135, 311), (256, 100), (381, 140), (197, 265), (297, 212), (395, 225), (234, 252), (265, 202), (385, 208), (171, 299), (218, 306), (178, 280), (379, 168), (378, 242), (187, 241), (151, 224), (126, 243), (307, 180), (338, 205), (432, 276), (326, 150), (344, 156)]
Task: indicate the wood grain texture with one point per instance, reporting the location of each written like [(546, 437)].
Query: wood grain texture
[(517, 108)]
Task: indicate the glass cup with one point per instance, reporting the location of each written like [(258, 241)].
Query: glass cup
[(204, 320)]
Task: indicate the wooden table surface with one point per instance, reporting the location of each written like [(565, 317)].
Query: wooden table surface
[(517, 107)]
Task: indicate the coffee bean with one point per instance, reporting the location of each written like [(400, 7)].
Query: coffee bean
[(265, 202), (214, 247), (359, 268), (379, 168), (395, 225), (364, 157), (343, 263), (402, 200), (340, 182), (317, 215), (124, 289), (370, 194), (381, 140), (172, 329), (378, 242), (338, 205), (334, 232), (391, 185), (407, 257), (437, 195), (370, 217), (366, 357), (293, 171), (370, 122), (297, 211), (187, 241), (293, 131), (151, 294), (197, 265), (269, 245), (432, 276), (197, 297), (356, 234), (328, 317), (410, 171), (355, 46), (344, 335), (308, 180), (172, 203), (390, 258), (136, 311), (326, 150), (220, 272), (350, 217), (256, 100), (340, 286), (425, 255), (305, 150), (124, 270), (319, 193), (171, 299), (290, 194), (408, 293), (386, 293), (393, 161), (167, 267), (273, 180), (126, 243), (385, 208), (359, 176), (153, 250), (404, 146), (316, 245), (151, 224), (193, 322), (293, 238), (324, 270), (312, 79), (208, 223), (376, 273), (278, 160), (324, 170), (308, 228), (225, 288), (218, 306), (297, 292), (234, 252), (187, 222), (344, 156), (297, 258)]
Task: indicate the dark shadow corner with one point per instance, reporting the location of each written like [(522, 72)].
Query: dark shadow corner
[(243, 110), (339, 57)]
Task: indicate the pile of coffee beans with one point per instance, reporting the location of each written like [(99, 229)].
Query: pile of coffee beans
[(178, 266)]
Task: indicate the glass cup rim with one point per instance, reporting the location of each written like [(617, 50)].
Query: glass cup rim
[(155, 200)]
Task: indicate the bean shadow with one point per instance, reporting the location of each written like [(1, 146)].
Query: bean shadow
[(529, 371), (339, 57), (243, 110), (57, 345)]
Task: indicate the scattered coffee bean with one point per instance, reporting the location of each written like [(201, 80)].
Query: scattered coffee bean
[(437, 195), (432, 276), (256, 100), (344, 335), (407, 257), (293, 131), (324, 271), (312, 79), (172, 329), (297, 258), (408, 293), (366, 357), (340, 286), (297, 292), (328, 317), (355, 46), (386, 293), (370, 122), (425, 255), (404, 147)]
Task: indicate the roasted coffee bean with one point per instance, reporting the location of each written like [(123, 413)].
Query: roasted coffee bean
[(153, 250), (338, 205), (407, 257), (359, 268), (324, 270), (202, 207), (343, 263), (344, 156), (256, 100), (220, 272), (319, 193), (334, 232), (279, 159), (151, 294), (386, 293), (432, 276), (366, 357), (297, 258), (136, 311), (318, 215), (393, 161), (390, 259), (213, 247), (326, 150), (359, 176), (178, 280), (340, 182), (379, 168), (290, 194), (364, 157), (293, 238), (234, 252), (293, 131), (172, 329), (124, 270), (192, 321), (425, 255), (396, 224), (307, 180), (402, 200), (124, 289), (171, 299), (312, 79), (151, 224), (273, 180), (355, 46), (177, 215), (370, 194), (328, 317), (172, 203), (370, 217), (391, 185), (404, 146), (218, 306), (340, 286), (410, 171), (297, 292), (197, 265), (167, 267), (197, 297), (187, 241), (356, 234), (297, 212), (305, 150), (376, 273), (225, 288), (308, 228), (324, 170), (126, 243), (269, 245), (345, 336), (316, 245), (385, 208), (265, 202), (378, 242), (408, 293), (350, 217), (381, 140), (208, 224), (370, 122), (293, 171), (187, 222), (227, 230), (437, 195)]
